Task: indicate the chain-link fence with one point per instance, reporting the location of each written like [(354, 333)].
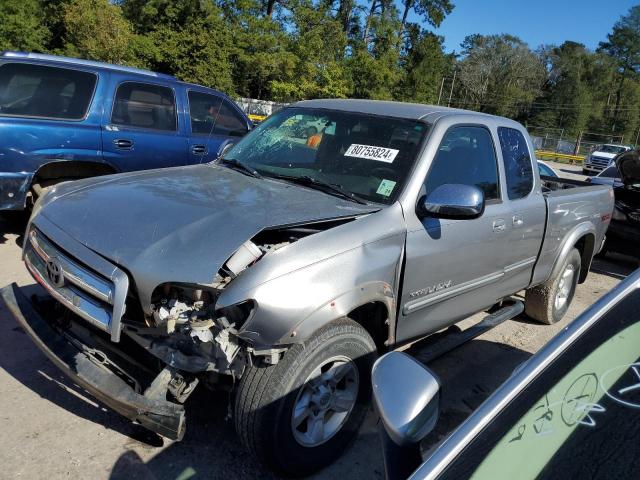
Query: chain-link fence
[(552, 140)]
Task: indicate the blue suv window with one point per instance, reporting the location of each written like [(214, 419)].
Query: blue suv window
[(28, 90), (203, 111), (143, 105), (229, 121)]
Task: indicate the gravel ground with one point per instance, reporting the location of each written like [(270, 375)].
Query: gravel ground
[(52, 430)]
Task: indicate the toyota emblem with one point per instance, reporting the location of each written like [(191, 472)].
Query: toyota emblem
[(54, 272)]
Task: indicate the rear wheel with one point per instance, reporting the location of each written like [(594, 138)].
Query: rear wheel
[(299, 415), (549, 302)]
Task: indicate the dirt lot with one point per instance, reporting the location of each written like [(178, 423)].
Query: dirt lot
[(52, 430)]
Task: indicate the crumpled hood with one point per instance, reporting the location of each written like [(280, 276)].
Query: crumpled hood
[(628, 164), (181, 224)]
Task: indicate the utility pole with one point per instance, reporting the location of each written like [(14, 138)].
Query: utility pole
[(441, 87), (453, 82)]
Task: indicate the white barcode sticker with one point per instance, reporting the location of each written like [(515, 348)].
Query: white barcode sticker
[(370, 152)]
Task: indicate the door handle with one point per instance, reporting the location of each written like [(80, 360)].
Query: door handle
[(499, 225), (199, 149), (123, 144), (518, 221)]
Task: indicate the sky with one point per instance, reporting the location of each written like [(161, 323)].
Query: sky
[(537, 23)]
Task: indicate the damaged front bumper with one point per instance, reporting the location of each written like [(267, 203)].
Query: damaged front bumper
[(151, 411)]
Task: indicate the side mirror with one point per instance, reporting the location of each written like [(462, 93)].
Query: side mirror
[(407, 397), (452, 201)]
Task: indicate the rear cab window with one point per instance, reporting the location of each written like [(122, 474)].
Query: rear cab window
[(146, 106), (517, 162), (42, 91)]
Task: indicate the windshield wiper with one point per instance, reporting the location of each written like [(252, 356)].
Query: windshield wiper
[(326, 187), (238, 165)]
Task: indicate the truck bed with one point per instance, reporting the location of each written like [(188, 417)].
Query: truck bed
[(572, 206), (552, 184)]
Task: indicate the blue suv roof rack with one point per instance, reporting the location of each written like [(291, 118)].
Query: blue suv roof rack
[(87, 63)]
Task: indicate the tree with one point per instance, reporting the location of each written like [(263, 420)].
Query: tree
[(261, 53), (318, 44), (22, 26), (623, 45), (186, 38), (424, 64), (375, 66), (499, 74), (97, 30), (567, 98), (431, 11)]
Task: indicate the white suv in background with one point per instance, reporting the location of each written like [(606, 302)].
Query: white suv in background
[(601, 157)]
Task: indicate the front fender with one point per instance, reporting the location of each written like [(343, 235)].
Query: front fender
[(343, 304), (290, 307)]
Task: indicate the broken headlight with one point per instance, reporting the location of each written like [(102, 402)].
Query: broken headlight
[(178, 306)]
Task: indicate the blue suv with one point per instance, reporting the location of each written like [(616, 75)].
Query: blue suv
[(64, 118)]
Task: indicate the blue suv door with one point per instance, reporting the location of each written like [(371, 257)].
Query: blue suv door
[(215, 122), (142, 127)]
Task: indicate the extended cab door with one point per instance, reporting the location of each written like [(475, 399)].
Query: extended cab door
[(527, 208), (215, 125), (453, 268), (141, 127)]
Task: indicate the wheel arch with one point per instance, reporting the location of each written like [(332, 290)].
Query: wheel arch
[(371, 305), (75, 169), (583, 238)]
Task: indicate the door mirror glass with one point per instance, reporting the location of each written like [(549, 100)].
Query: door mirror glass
[(406, 395), (453, 201)]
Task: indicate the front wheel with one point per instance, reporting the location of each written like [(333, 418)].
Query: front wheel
[(299, 415), (549, 302)]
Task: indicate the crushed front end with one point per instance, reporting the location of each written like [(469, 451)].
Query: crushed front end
[(142, 362), (142, 366)]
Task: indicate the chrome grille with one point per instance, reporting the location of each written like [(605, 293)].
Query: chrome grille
[(600, 162), (97, 299)]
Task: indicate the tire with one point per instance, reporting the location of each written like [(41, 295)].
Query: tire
[(586, 172), (548, 303), (266, 396)]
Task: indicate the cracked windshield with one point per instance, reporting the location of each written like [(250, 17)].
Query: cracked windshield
[(356, 156)]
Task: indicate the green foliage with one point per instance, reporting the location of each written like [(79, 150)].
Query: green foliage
[(424, 66), (97, 30), (623, 43), (380, 49), (567, 96), (500, 74), (22, 25)]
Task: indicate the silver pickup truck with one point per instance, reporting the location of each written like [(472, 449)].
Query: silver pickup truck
[(335, 230)]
